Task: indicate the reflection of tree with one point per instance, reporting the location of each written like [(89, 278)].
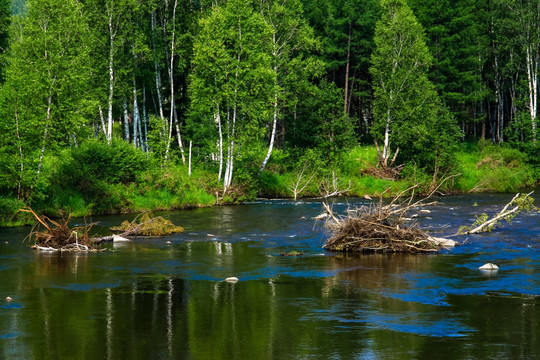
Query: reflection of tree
[(359, 312)]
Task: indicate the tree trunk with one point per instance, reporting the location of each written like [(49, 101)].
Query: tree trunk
[(347, 67), (532, 81), (274, 126), (19, 143), (112, 35), (45, 135), (158, 74), (179, 137), (386, 146), (136, 116), (171, 81), (220, 142), (189, 166), (144, 134), (126, 121)]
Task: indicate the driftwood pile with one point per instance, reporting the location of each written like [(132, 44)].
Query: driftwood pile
[(382, 229), (147, 225), (58, 236), (49, 235)]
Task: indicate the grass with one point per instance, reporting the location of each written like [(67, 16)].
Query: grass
[(493, 168), (484, 167)]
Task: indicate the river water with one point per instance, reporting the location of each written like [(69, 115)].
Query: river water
[(149, 299)]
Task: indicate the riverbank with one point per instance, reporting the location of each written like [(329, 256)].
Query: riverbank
[(127, 182)]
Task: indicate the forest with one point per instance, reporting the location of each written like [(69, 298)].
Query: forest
[(110, 106)]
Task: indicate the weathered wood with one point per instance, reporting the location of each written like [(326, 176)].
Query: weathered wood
[(504, 214)]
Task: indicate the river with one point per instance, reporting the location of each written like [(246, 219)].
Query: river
[(150, 299)]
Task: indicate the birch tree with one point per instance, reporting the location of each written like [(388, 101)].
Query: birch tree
[(527, 13), (291, 41), (46, 80), (232, 80), (108, 20), (406, 106)]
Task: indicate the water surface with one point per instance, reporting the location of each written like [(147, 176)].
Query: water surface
[(152, 299)]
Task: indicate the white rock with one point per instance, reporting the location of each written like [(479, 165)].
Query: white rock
[(442, 241), (118, 238), (367, 197), (489, 267), (9, 298), (231, 279), (425, 211), (414, 216)]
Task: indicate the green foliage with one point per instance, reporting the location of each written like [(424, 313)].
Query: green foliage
[(9, 212), (493, 168), (480, 219), (407, 111), (96, 161), (158, 137)]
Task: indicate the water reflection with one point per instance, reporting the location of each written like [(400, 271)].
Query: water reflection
[(150, 299)]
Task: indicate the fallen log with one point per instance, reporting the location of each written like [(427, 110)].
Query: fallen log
[(483, 223)]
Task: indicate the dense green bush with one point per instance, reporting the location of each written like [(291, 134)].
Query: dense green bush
[(92, 166), (9, 212)]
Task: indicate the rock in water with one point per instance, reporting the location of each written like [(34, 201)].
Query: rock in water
[(118, 238), (489, 267), (231, 279), (8, 299)]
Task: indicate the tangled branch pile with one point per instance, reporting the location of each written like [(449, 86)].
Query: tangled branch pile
[(59, 236), (147, 225), (382, 229)]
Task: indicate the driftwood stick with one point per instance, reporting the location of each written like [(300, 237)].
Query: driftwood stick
[(504, 214)]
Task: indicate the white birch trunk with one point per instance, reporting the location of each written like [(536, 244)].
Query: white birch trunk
[(158, 74), (104, 127), (144, 134), (112, 35), (136, 115), (386, 145), (220, 142), (45, 135), (126, 121), (19, 143), (347, 67), (171, 81), (273, 136), (532, 81), (179, 137), (189, 165)]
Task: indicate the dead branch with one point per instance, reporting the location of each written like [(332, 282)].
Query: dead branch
[(58, 235), (484, 224)]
